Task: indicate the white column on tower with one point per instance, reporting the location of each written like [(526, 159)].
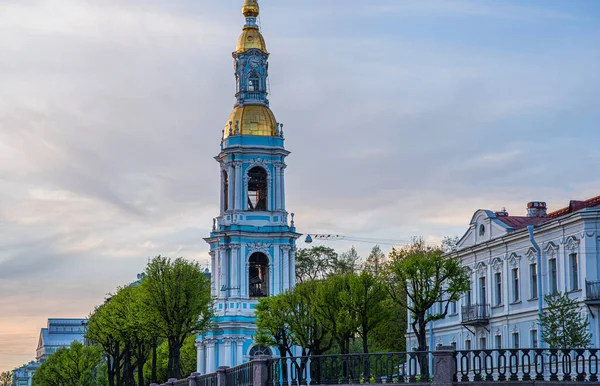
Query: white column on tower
[(276, 290), (220, 273), (211, 362), (234, 279), (214, 278), (232, 184), (285, 266), (292, 266), (201, 357), (282, 182), (238, 185), (228, 353), (277, 185), (239, 351)]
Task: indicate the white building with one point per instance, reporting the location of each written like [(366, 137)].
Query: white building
[(509, 275)]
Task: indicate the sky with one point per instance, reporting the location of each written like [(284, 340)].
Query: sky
[(403, 118)]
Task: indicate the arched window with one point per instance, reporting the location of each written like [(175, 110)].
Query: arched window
[(225, 191), (259, 350), (258, 275), (257, 189), (481, 230), (253, 82)]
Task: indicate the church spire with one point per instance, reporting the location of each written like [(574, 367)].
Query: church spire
[(250, 8)]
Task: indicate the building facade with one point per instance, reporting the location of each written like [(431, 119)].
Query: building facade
[(513, 262), (57, 334), (252, 243)]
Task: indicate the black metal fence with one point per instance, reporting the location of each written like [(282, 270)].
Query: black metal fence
[(241, 375), (206, 380), (527, 365), (391, 368)]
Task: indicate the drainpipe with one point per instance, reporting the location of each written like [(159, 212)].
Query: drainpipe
[(539, 278)]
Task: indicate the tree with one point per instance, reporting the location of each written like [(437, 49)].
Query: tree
[(420, 277), (347, 262), (563, 325), (6, 378), (315, 263), (365, 299), (376, 261), (188, 360), (77, 365), (331, 310), (178, 297)]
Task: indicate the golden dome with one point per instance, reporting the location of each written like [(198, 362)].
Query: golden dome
[(250, 8), (253, 120), (249, 39)]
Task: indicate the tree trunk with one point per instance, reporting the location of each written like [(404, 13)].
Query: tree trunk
[(110, 370), (154, 361), (117, 364), (175, 358), (422, 340)]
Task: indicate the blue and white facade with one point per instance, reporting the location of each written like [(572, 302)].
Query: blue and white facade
[(510, 276), (252, 243)]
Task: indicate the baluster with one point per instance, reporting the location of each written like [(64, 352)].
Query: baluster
[(580, 365), (526, 365), (593, 365), (488, 365), (539, 365), (566, 364), (514, 364), (502, 365), (553, 361)]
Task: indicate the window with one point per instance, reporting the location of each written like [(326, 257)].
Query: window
[(467, 344), (259, 350), (552, 268), (574, 272), (498, 279), (534, 338), (515, 337), (254, 82), (258, 275), (481, 230), (482, 343), (225, 191), (515, 282), (533, 285), (257, 189), (453, 308), (498, 342), (468, 297), (453, 345), (482, 295)]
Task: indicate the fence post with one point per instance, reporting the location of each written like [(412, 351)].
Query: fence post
[(192, 379), (444, 367), (171, 381), (260, 370), (222, 376)]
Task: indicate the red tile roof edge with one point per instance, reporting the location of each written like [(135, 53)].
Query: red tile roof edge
[(574, 206)]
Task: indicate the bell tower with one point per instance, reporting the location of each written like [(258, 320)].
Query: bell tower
[(253, 242)]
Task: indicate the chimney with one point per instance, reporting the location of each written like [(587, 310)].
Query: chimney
[(537, 209)]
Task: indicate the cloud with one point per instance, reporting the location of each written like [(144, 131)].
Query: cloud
[(400, 123)]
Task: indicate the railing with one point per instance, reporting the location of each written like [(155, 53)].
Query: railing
[(527, 365), (181, 382), (479, 313), (393, 368), (241, 375), (592, 290), (206, 380)]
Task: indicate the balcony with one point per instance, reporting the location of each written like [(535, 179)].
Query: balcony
[(476, 314), (592, 292)]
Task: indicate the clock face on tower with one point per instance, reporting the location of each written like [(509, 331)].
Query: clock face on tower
[(254, 61)]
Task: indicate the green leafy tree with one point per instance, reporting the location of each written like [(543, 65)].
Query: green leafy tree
[(6, 378), (347, 262), (390, 334), (315, 263), (420, 277), (102, 330), (179, 302), (77, 365), (365, 300), (563, 325), (188, 360), (332, 312)]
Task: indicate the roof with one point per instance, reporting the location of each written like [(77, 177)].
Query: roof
[(518, 222), (574, 206)]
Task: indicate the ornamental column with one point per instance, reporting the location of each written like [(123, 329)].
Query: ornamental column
[(210, 356), (201, 358), (285, 251), (239, 351), (282, 182), (293, 266), (235, 263), (228, 353), (232, 185), (278, 185), (238, 185)]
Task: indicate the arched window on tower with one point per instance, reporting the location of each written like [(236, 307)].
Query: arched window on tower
[(258, 275), (257, 189), (225, 191), (253, 82)]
